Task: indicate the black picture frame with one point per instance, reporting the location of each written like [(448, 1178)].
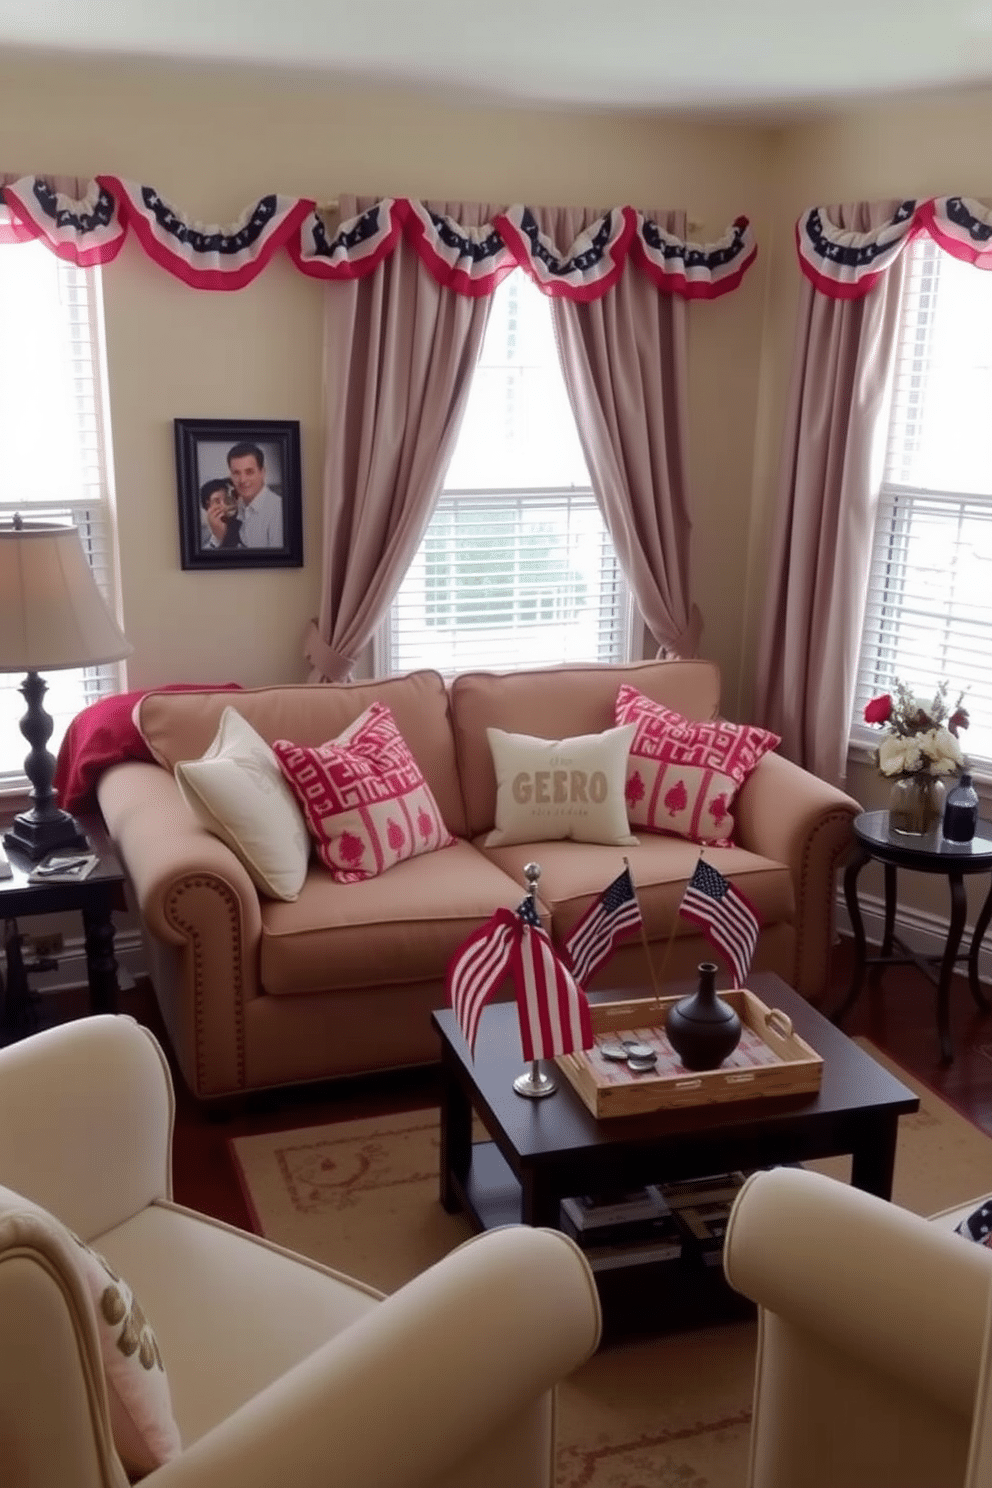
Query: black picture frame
[(202, 451)]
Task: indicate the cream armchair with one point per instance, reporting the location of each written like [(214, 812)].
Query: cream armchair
[(281, 1371), (874, 1338)]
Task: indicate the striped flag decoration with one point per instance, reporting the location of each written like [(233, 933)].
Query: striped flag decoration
[(615, 914), (729, 921), (553, 1009), (477, 969)]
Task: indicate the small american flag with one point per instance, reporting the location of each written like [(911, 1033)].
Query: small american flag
[(478, 967), (615, 914), (553, 1009), (730, 922)]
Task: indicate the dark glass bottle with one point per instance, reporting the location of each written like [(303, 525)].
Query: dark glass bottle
[(961, 811)]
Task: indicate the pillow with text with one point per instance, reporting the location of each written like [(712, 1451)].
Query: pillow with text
[(549, 789)]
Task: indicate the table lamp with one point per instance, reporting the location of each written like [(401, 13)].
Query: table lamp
[(52, 616)]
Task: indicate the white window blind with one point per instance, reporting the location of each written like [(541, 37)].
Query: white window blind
[(53, 436), (929, 603), (516, 567)]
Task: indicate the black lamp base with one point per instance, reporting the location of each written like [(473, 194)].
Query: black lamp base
[(45, 827), (35, 835)]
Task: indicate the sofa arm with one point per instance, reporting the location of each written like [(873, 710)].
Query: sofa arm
[(428, 1385), (871, 1316), (170, 858), (791, 816), (86, 1114), (202, 915)]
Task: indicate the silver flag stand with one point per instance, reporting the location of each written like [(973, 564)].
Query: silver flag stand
[(534, 1083)]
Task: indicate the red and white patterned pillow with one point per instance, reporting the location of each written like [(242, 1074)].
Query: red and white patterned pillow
[(365, 801), (682, 776)]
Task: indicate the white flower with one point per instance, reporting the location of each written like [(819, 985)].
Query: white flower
[(898, 755), (943, 751)]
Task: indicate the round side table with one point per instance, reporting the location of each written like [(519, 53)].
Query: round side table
[(931, 853)]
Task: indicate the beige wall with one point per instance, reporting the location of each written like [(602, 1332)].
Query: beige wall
[(211, 142)]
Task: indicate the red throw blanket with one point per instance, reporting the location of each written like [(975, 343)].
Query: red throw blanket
[(103, 735)]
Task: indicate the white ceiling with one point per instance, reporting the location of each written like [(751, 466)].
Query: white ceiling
[(742, 55)]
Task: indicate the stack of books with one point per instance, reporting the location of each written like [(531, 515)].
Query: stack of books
[(623, 1229), (701, 1207)]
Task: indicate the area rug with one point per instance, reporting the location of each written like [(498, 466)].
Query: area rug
[(670, 1412)]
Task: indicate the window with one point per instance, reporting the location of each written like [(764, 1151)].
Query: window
[(55, 461), (516, 567), (929, 609)]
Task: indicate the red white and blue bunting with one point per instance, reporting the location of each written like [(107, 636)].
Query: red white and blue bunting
[(205, 256), (588, 267), (960, 226), (468, 260), (86, 232), (846, 265), (694, 270), (355, 249)]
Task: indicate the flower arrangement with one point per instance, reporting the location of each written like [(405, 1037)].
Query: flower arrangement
[(921, 738)]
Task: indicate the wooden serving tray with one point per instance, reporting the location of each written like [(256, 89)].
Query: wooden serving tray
[(769, 1060)]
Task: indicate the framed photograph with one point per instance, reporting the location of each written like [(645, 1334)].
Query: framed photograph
[(240, 499)]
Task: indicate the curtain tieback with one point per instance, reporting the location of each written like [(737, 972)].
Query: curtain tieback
[(328, 665), (685, 645)]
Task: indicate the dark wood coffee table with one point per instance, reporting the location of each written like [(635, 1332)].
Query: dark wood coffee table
[(543, 1150)]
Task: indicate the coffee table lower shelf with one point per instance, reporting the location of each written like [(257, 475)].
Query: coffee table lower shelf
[(651, 1297), (541, 1151)]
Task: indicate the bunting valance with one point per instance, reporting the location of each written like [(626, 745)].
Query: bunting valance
[(468, 260), (845, 265)]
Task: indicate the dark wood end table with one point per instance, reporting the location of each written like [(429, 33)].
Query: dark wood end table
[(95, 898), (931, 853), (542, 1151)]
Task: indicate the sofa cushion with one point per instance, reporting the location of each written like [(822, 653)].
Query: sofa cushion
[(138, 1396), (548, 789), (555, 703), (683, 775), (364, 798), (395, 930), (237, 790), (178, 726), (573, 874)]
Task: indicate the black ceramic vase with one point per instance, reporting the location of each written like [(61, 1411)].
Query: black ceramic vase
[(703, 1029)]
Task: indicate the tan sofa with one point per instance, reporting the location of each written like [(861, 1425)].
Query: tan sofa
[(257, 993)]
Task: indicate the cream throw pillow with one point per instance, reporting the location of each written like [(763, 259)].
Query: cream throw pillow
[(238, 792), (547, 789), (138, 1396)]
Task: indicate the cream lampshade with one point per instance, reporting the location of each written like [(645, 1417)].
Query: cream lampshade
[(52, 616)]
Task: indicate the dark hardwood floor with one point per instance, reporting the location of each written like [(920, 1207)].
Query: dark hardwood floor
[(897, 1013)]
